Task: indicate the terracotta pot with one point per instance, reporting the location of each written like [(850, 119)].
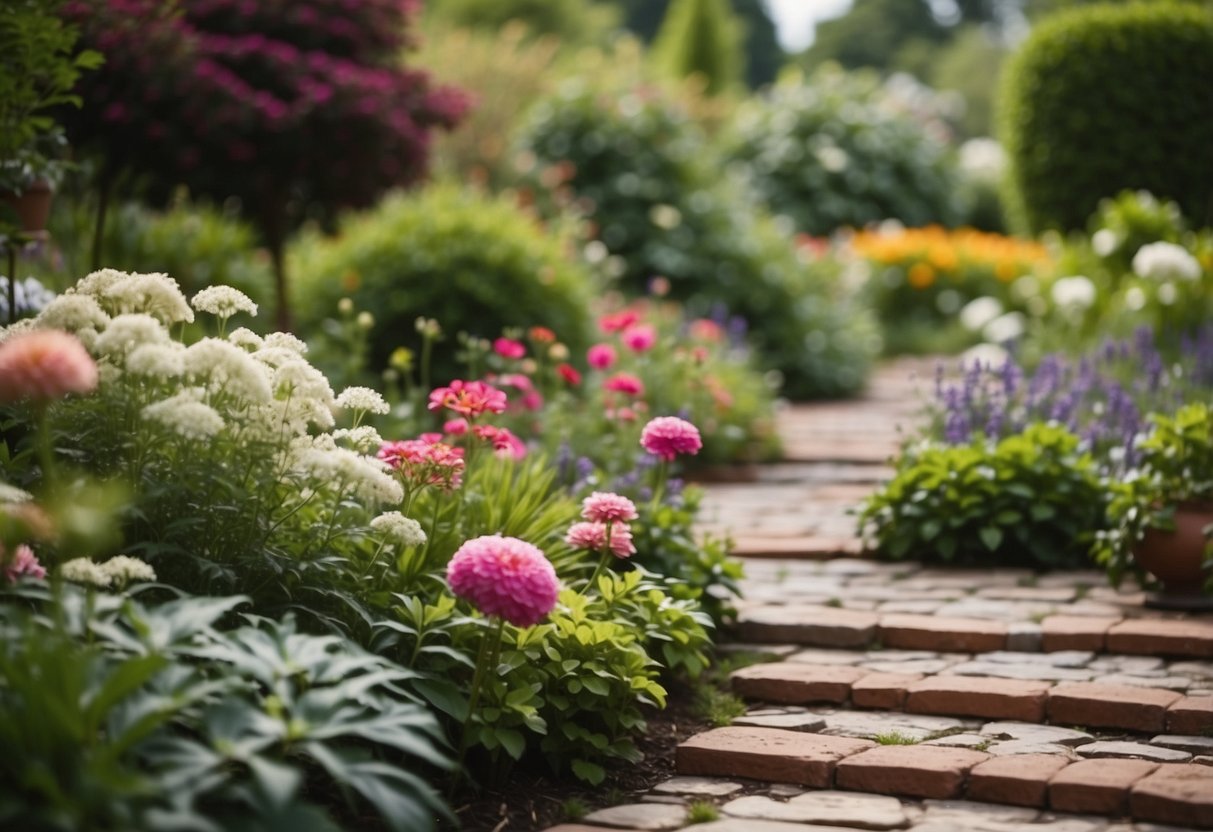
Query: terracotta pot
[(33, 206), (1176, 558)]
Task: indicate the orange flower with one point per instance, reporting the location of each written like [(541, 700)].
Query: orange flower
[(921, 276)]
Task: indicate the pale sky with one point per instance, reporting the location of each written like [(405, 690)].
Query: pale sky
[(795, 18)]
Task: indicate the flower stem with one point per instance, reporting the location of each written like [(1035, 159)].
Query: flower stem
[(486, 657)]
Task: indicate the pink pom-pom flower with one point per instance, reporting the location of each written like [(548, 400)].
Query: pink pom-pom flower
[(593, 536), (607, 507), (601, 356), (504, 577), (23, 562), (669, 436), (639, 337), (44, 365)]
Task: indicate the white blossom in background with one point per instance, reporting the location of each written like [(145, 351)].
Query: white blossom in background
[(186, 414), (365, 477), (72, 313), (123, 569), (246, 339), (157, 360), (228, 370), (126, 332), (979, 312), (84, 571), (1005, 328), (155, 294), (983, 158), (1165, 261), (364, 438), (984, 355), (403, 530), (1076, 292), (12, 494), (362, 399), (1104, 242), (223, 301), (286, 341), (1135, 298)]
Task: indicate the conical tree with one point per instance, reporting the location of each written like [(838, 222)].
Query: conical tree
[(700, 37)]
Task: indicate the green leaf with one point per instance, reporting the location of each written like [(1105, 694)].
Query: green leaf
[(990, 536), (512, 741), (591, 773)]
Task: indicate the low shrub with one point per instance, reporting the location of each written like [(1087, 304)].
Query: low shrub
[(1032, 499), (837, 150), (474, 263), (1108, 97)]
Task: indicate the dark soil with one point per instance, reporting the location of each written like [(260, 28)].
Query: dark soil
[(532, 799)]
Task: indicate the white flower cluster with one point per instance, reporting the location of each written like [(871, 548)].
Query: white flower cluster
[(228, 370), (157, 360), (116, 572), (402, 530), (364, 438), (366, 478), (1166, 261), (223, 301), (154, 294), (12, 494), (1076, 292), (362, 399), (186, 414), (128, 331)]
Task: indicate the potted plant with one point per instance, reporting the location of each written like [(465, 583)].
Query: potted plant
[(1161, 516), (38, 68)]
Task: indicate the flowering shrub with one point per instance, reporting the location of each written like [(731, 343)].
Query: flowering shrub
[(925, 281)]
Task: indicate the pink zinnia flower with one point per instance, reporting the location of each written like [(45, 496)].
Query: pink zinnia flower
[(608, 507), (669, 436), (618, 321), (625, 383), (425, 461), (592, 536), (705, 329), (505, 577), (509, 348), (542, 335), (43, 365), (470, 398), (639, 337), (23, 562), (505, 443), (601, 356), (455, 427), (569, 373)]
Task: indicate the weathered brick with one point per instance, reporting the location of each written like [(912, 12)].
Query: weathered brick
[(806, 624), (1192, 715), (1096, 786), (1075, 632), (1095, 705), (1018, 779), (883, 691), (1015, 699), (769, 754), (1162, 637), (928, 632), (795, 683), (911, 770), (1177, 794)]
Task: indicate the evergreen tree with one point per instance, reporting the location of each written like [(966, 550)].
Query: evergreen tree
[(700, 37)]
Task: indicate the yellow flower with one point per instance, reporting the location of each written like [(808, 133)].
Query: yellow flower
[(921, 276)]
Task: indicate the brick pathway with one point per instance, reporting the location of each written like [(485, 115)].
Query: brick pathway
[(894, 696)]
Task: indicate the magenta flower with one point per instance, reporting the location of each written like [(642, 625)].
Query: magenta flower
[(601, 356), (43, 365), (505, 444), (618, 321), (23, 562), (425, 461), (639, 337), (504, 577), (455, 427), (593, 536), (606, 507), (669, 436), (509, 348), (625, 383), (469, 398)]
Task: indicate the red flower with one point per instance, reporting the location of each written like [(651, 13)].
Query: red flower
[(509, 348), (625, 383), (618, 321), (542, 335), (569, 373), (470, 398)]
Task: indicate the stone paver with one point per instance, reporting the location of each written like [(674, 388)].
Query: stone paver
[(914, 770), (796, 683), (698, 787), (1190, 715), (766, 754), (975, 696), (1175, 794), (1026, 731), (886, 691), (1097, 786), (1154, 637), (646, 817), (1075, 632), (925, 632), (1110, 706), (1138, 750), (847, 809), (812, 625), (1021, 780)]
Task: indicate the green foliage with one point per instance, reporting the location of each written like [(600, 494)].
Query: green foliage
[(1104, 98), (1032, 499), (833, 152), (573, 21), (660, 207), (971, 65), (895, 738), (702, 811), (700, 37), (475, 263), (123, 716), (39, 65), (872, 34), (1176, 467)]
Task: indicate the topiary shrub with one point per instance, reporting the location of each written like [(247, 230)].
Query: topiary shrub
[(838, 151), (474, 263), (1107, 98), (651, 187)]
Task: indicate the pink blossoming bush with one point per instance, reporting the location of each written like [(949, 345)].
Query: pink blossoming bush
[(24, 563), (504, 577), (606, 507), (669, 437)]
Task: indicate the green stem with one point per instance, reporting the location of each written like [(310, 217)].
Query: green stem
[(663, 472), (46, 455), (602, 561), (486, 657)]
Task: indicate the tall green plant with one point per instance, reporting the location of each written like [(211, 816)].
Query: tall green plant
[(700, 37)]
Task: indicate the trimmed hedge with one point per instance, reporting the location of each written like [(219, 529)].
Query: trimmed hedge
[(1106, 98)]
